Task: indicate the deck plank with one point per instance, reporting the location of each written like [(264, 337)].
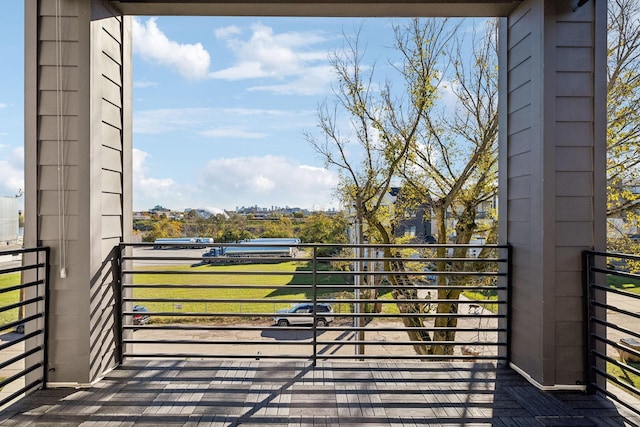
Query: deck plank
[(287, 394)]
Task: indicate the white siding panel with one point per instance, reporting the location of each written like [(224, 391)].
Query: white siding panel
[(69, 56), (574, 59), (68, 78), (520, 165), (48, 128), (519, 120), (520, 142), (519, 97), (68, 29), (574, 208), (111, 114), (111, 182), (49, 152), (49, 102), (49, 227), (111, 137), (49, 177), (111, 204), (574, 84), (574, 184), (574, 109), (519, 53), (111, 159), (50, 204), (520, 75), (574, 34), (519, 187), (574, 134), (574, 233), (520, 209), (111, 70), (574, 159), (111, 227)]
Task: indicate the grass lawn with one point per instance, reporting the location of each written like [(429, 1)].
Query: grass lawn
[(489, 294), (624, 283), (625, 375), (272, 287), (8, 298)]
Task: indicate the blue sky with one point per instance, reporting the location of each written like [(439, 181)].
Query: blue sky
[(220, 108)]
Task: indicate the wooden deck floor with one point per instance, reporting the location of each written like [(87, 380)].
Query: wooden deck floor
[(260, 393)]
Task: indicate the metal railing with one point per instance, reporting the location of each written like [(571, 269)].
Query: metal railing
[(612, 335), (24, 290), (439, 302)]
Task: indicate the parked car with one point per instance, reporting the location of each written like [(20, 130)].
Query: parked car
[(141, 317), (295, 315)]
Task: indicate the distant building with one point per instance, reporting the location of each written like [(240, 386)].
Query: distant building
[(8, 220)]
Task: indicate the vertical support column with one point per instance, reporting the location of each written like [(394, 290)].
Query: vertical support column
[(77, 143), (552, 184)]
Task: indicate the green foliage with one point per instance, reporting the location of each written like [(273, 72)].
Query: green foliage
[(163, 228), (623, 115), (323, 228)]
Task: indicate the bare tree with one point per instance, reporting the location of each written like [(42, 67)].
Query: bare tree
[(623, 115), (385, 124)]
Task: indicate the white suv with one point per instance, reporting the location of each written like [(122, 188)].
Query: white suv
[(296, 315)]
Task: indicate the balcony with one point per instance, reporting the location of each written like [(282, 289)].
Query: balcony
[(213, 356)]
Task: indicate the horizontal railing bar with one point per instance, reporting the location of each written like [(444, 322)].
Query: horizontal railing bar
[(23, 251), (617, 291), (20, 356), (618, 382), (616, 309), (384, 315), (318, 300), (319, 287), (21, 268), (614, 255), (307, 343), (20, 374), (18, 322), (320, 245), (309, 273), (20, 392), (616, 345), (306, 328), (21, 304), (21, 286), (616, 273), (614, 326), (309, 357), (616, 362)]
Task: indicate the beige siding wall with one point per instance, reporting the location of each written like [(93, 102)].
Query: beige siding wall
[(76, 73), (553, 181)]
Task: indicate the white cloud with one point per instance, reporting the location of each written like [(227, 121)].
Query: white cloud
[(189, 60), (313, 82), (226, 32), (3, 105), (148, 191), (265, 54), (267, 181), (169, 119), (232, 132), (145, 84), (12, 173)]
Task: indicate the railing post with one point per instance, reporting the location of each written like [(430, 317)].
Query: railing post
[(588, 261), (314, 292), (45, 345), (117, 309)]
